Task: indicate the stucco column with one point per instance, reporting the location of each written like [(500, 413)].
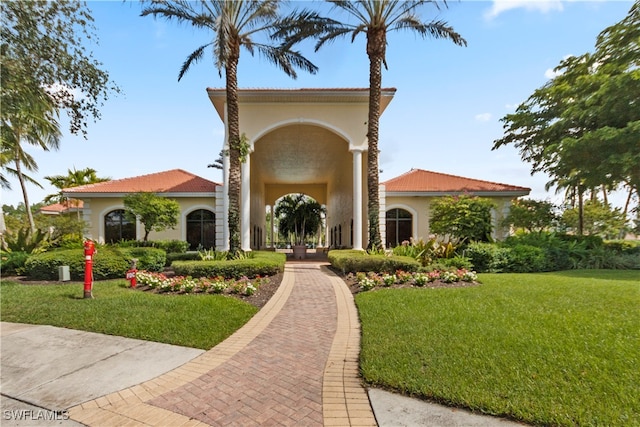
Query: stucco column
[(245, 205), (225, 201), (357, 199)]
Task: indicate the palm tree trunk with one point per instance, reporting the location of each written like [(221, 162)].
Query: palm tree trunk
[(233, 122), (23, 186), (376, 44), (580, 212)]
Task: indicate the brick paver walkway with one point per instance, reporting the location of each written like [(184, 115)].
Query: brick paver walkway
[(294, 363)]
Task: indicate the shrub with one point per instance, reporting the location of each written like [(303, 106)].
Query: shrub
[(487, 257), (44, 266), (262, 264), (623, 246), (525, 259), (187, 256), (108, 262), (353, 261), (169, 246), (13, 263), (150, 259)]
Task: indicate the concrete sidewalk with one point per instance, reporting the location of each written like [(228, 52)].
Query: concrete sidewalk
[(294, 363)]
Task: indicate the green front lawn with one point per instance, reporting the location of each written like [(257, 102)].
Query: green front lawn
[(199, 321), (550, 348)]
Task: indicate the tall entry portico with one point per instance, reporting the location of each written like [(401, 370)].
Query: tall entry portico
[(311, 141)]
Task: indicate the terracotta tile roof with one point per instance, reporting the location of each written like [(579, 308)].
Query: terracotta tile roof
[(58, 208), (172, 181), (419, 180)]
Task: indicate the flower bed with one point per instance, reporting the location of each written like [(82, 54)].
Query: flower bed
[(368, 281), (158, 282)]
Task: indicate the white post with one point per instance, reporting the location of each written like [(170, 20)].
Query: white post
[(357, 199)]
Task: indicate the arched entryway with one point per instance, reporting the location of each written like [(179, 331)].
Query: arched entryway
[(302, 158), (311, 141)]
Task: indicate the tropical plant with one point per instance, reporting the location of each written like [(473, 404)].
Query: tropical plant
[(73, 178), (375, 19), (25, 240), (234, 24), (29, 119), (299, 217)]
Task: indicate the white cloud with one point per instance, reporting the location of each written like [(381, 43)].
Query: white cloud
[(511, 106), (550, 73), (484, 117), (543, 6)]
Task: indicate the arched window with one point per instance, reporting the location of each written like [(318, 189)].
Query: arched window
[(399, 226), (201, 229), (117, 227)]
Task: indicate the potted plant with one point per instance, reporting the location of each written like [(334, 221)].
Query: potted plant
[(299, 217)]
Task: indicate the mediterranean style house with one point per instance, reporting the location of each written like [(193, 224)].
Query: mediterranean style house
[(310, 141)]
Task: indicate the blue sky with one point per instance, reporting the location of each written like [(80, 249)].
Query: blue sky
[(444, 117)]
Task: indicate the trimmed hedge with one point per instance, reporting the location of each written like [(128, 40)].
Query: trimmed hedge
[(108, 262), (169, 246), (187, 256), (262, 263), (354, 261)]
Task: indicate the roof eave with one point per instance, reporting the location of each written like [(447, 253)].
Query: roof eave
[(510, 193), (122, 195)]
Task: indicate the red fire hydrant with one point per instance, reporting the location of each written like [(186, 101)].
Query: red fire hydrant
[(89, 251), (131, 274)]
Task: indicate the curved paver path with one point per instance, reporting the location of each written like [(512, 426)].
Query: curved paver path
[(293, 363)]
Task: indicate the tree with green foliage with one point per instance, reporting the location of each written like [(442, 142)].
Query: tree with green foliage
[(375, 19), (155, 213), (531, 215), (234, 24), (463, 217), (582, 127), (45, 46), (298, 216), (45, 68), (73, 178), (599, 219)]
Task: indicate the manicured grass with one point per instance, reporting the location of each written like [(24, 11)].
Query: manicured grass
[(199, 321), (550, 348)]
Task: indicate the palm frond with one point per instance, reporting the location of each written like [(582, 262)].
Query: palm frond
[(286, 59), (435, 29), (194, 57)]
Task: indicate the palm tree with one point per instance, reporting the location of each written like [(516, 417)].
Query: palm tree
[(28, 119), (299, 216), (74, 178), (234, 24), (374, 18)]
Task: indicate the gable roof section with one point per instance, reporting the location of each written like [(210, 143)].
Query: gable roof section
[(175, 182), (427, 183), (58, 208)]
